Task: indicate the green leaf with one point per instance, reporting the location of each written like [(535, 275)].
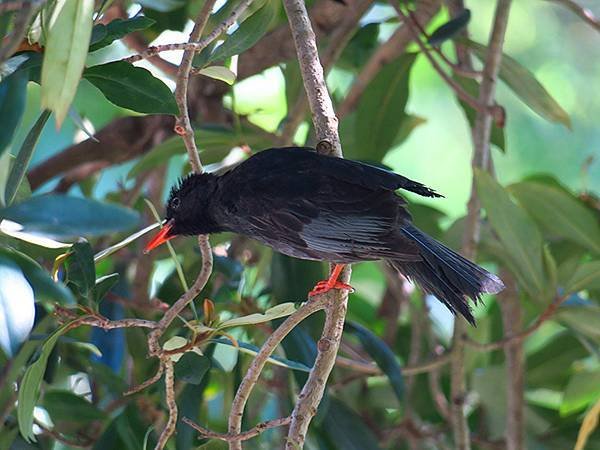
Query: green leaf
[(191, 368), (132, 87), (19, 168), (104, 285), (66, 406), (380, 113), (118, 28), (583, 318), (220, 73), (516, 231), (346, 430), (559, 212), (248, 33), (277, 311), (63, 216), (472, 88), (253, 350), (29, 388), (450, 28), (586, 276), (81, 271), (524, 84), (162, 5), (17, 306), (582, 390), (44, 287), (13, 93), (381, 354), (64, 55)]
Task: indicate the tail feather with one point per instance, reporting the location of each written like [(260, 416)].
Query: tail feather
[(447, 275)]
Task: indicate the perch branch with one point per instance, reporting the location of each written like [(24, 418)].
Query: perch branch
[(243, 436)]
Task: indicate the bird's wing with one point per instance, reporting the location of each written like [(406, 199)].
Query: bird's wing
[(324, 218), (303, 160)]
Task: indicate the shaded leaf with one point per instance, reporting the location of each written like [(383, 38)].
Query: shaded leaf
[(64, 55), (360, 47), (69, 407), (381, 354), (277, 311), (162, 5), (13, 93), (250, 349), (524, 84), (220, 73), (116, 29), (62, 216), (17, 306), (81, 271), (44, 287), (104, 285), (450, 28), (19, 168), (132, 87), (380, 112), (586, 276), (29, 388), (248, 33), (583, 389), (560, 213), (583, 318), (516, 231), (191, 368)]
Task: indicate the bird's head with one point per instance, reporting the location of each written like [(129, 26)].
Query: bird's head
[(188, 209)]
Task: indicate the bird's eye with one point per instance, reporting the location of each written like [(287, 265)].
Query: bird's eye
[(175, 202)]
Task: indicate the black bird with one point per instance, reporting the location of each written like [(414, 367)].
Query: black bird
[(318, 207)]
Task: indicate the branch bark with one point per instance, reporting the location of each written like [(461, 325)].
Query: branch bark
[(481, 158)]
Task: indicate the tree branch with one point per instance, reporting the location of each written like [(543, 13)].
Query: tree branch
[(243, 436), (584, 13)]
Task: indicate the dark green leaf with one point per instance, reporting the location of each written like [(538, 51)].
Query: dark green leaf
[(381, 354), (360, 47), (586, 276), (29, 389), (517, 232), (66, 406), (44, 287), (583, 318), (162, 5), (81, 271), (191, 368), (560, 213), (132, 87), (345, 430), (125, 432), (116, 29), (472, 88), (248, 33), (61, 216), (13, 93), (524, 84), (583, 389), (17, 306), (380, 113), (450, 28), (19, 168), (104, 285)]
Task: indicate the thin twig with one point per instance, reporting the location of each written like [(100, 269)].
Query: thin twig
[(386, 52), (481, 157), (169, 428), (515, 370), (149, 382), (11, 43), (517, 337), (492, 110), (584, 13), (253, 372), (244, 435), (194, 46)]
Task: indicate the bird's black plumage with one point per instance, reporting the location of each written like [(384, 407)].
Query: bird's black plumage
[(319, 207)]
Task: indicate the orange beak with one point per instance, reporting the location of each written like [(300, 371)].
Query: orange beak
[(161, 237)]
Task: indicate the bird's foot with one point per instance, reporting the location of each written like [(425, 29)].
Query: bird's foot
[(326, 285)]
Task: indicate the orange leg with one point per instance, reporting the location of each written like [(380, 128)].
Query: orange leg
[(332, 283)]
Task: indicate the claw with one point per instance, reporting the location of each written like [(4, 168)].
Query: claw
[(332, 283)]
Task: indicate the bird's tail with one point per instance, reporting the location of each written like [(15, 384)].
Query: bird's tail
[(447, 275)]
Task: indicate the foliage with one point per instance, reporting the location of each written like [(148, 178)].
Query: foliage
[(71, 250)]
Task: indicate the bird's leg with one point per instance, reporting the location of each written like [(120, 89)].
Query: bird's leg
[(332, 283)]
